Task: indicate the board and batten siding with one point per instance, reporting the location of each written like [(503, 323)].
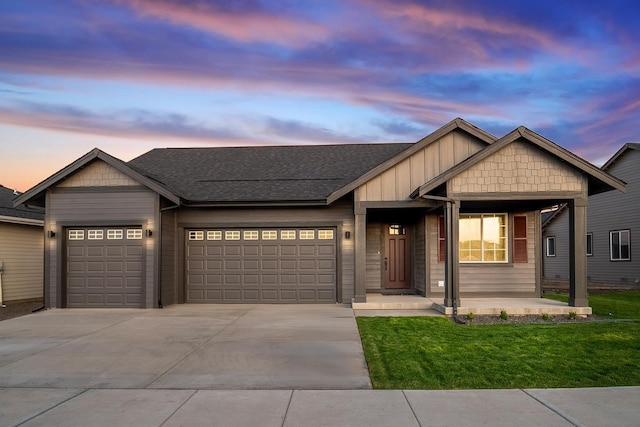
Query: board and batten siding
[(21, 254), (399, 181), (68, 207), (339, 216), (375, 245), (168, 258), (499, 279), (419, 261)]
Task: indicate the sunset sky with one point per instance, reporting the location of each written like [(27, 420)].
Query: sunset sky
[(130, 75)]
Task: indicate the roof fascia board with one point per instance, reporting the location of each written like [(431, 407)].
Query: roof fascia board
[(457, 123), (85, 160), (625, 147), (23, 221)]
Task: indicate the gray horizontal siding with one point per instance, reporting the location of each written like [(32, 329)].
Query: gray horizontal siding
[(21, 253), (557, 267)]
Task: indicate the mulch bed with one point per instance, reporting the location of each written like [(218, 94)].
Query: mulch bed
[(528, 318), (20, 308)]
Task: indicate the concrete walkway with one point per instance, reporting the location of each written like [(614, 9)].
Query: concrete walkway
[(245, 365), (368, 408)]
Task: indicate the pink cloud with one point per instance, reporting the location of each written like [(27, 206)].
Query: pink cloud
[(246, 26)]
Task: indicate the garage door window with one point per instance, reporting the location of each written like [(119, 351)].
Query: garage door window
[(214, 235), (76, 234), (115, 234), (232, 235), (196, 235), (307, 234), (269, 235), (325, 234), (134, 234), (251, 235), (95, 234), (288, 234)]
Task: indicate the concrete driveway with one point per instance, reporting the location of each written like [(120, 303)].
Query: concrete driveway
[(185, 347)]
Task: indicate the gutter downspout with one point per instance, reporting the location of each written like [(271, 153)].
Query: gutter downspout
[(1, 270)]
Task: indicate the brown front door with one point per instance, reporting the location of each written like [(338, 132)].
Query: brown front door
[(397, 262)]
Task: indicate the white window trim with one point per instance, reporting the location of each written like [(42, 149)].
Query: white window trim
[(196, 235), (134, 234), (75, 234), (548, 253), (115, 234), (325, 234), (95, 234), (506, 237), (587, 244), (611, 233)]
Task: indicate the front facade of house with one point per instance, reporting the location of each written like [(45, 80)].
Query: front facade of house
[(456, 214), (21, 244), (613, 224)]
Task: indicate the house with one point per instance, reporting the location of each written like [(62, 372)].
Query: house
[(454, 215), (21, 246), (613, 229)]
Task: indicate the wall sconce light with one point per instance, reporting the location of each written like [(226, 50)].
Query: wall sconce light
[(51, 234), (149, 233), (347, 234)]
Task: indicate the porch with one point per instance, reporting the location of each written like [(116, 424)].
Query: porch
[(477, 306)]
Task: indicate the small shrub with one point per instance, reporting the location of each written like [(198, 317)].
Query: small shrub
[(469, 317), (573, 315), (504, 315), (545, 316)]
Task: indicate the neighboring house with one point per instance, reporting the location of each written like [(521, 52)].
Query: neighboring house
[(613, 229), (21, 249), (454, 215)]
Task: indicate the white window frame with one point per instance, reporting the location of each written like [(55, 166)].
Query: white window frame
[(589, 246), (505, 225), (548, 252), (196, 235), (95, 234), (75, 234), (619, 233), (115, 234)]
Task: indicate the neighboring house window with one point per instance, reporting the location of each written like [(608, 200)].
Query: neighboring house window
[(589, 244), (520, 239), (620, 245), (483, 238), (551, 246)]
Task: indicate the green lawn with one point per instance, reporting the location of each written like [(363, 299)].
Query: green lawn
[(617, 305), (435, 353)]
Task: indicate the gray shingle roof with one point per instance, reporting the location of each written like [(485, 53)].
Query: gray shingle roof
[(261, 174), (21, 211)]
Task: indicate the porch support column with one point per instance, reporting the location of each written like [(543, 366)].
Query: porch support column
[(452, 265), (578, 253), (360, 235)]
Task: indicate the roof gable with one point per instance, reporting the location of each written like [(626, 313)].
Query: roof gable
[(457, 124), (117, 171), (599, 181), (622, 151)]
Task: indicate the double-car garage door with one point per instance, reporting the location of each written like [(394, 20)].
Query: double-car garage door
[(261, 265), (104, 267)]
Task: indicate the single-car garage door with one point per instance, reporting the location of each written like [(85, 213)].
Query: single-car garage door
[(266, 265), (104, 267)]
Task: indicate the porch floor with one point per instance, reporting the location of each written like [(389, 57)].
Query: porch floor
[(478, 306)]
